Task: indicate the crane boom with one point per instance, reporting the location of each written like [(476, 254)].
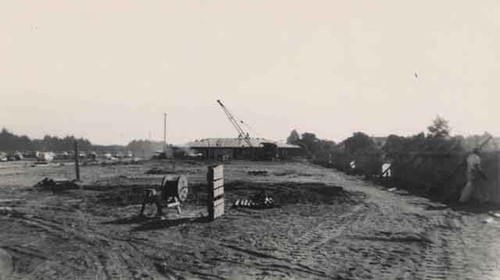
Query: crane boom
[(242, 134)]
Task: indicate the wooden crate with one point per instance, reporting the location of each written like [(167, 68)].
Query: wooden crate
[(215, 177)]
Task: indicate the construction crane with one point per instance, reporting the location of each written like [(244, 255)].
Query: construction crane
[(242, 134)]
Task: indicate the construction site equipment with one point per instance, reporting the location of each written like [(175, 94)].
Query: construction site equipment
[(242, 134), (44, 157), (170, 194), (177, 188)]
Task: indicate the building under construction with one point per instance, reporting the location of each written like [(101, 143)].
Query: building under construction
[(249, 148), (242, 147)]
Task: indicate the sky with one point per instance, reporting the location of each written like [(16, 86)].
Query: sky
[(109, 70)]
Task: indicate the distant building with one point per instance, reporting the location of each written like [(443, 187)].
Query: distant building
[(238, 148)]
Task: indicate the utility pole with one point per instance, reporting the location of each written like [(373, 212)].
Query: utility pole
[(77, 162), (165, 134)]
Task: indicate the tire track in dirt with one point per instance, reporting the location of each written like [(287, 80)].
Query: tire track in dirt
[(254, 258), (442, 260), (459, 242), (404, 224), (331, 227), (472, 247), (392, 227), (386, 240), (432, 233), (490, 237), (304, 253), (461, 245), (94, 249), (276, 263), (343, 227), (437, 259)]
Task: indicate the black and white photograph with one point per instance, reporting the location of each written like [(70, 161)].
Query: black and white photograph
[(249, 139)]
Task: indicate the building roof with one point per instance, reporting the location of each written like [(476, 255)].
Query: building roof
[(235, 143)]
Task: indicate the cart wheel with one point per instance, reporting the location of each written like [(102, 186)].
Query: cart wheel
[(182, 188)]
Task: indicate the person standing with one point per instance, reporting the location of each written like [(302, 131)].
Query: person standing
[(472, 173)]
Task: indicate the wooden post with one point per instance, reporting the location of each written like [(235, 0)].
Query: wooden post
[(77, 162), (215, 177), (165, 134)]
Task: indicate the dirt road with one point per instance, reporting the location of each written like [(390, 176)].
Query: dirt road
[(319, 231), (438, 242)]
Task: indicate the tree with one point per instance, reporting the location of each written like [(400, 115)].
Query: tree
[(10, 142), (358, 143), (310, 142), (439, 128), (399, 145), (318, 150), (144, 148), (294, 137)]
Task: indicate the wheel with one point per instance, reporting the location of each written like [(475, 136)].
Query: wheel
[(182, 188)]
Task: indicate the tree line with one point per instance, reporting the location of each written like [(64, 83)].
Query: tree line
[(10, 142), (363, 148)]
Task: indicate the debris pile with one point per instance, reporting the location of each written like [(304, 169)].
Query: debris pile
[(258, 172), (56, 185), (258, 201)]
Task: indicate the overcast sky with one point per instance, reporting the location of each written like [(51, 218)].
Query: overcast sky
[(108, 70)]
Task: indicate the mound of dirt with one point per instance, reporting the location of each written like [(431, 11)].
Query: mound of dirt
[(283, 194), (292, 193), (158, 170)]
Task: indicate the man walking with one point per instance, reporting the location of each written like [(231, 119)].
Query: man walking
[(472, 173)]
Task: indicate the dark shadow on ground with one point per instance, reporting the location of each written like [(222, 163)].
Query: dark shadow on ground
[(436, 207), (162, 224), (448, 200), (474, 207), (128, 220), (293, 192)]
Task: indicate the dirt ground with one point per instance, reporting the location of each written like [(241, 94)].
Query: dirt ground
[(326, 225)]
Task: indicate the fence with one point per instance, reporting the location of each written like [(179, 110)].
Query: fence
[(366, 164), (442, 175), (491, 165)]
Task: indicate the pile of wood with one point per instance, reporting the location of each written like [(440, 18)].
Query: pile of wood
[(258, 201)]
